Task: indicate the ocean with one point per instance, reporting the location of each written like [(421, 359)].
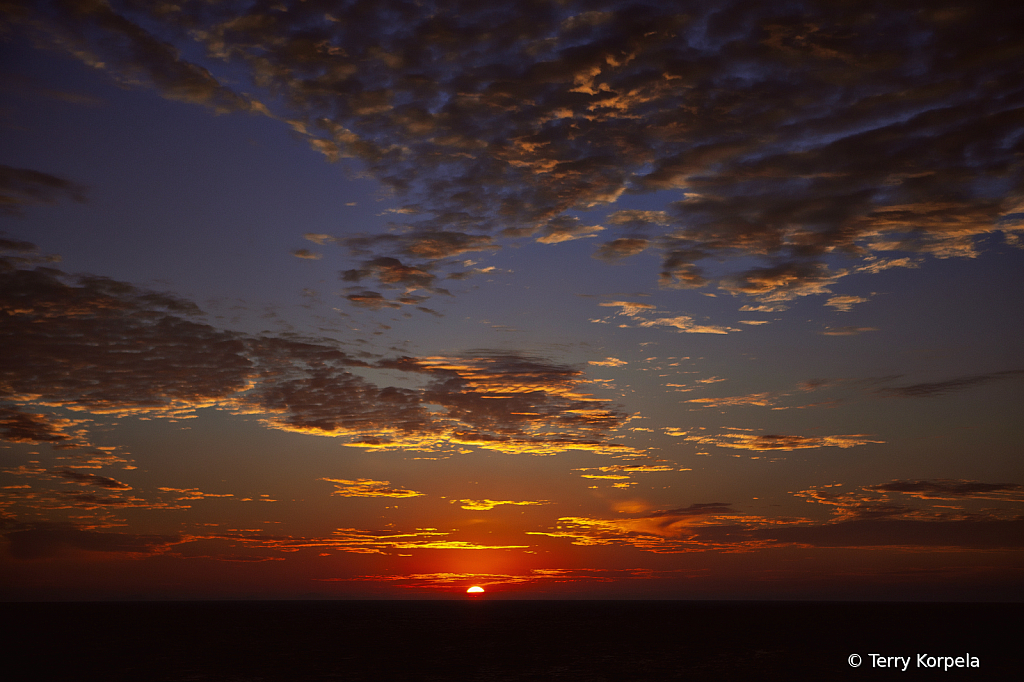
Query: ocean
[(505, 641)]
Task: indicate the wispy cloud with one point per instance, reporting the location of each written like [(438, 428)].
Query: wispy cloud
[(937, 388)]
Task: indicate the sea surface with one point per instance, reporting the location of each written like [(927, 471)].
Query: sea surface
[(505, 641)]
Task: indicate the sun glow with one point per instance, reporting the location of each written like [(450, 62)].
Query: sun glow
[(476, 589)]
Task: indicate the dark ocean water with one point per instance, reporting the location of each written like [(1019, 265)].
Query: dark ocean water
[(499, 641)]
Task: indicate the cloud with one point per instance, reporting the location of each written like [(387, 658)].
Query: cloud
[(565, 229), (844, 303), (791, 134), (952, 489), (377, 542), (537, 577), (92, 479), (18, 426), (66, 340), (364, 487), (192, 494), (372, 300), (627, 307), (937, 388), (307, 254), (608, 362), (783, 282), (758, 399), (905, 534), (20, 187), (847, 330), (621, 248), (682, 323), (104, 39), (913, 500), (862, 517), (391, 271), (47, 540), (487, 505), (765, 443), (621, 472)]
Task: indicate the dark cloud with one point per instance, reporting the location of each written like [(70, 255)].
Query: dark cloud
[(937, 388), (862, 518), (909, 500), (847, 330), (390, 271), (566, 229), (105, 38), (373, 300), (47, 540), (620, 248), (422, 243), (92, 479), (18, 426), (20, 187), (701, 509), (946, 489), (788, 132), (68, 343), (982, 534)]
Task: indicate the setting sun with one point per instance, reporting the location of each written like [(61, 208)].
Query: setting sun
[(476, 589)]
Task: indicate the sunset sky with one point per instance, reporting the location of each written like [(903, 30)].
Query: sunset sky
[(385, 299)]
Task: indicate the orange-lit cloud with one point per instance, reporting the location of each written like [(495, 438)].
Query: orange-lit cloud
[(844, 303), (364, 487), (486, 505), (640, 312), (768, 442), (537, 577), (757, 399), (608, 362)]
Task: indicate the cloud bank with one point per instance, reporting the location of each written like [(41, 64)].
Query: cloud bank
[(790, 133)]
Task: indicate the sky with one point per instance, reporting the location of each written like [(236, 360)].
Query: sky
[(568, 300)]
